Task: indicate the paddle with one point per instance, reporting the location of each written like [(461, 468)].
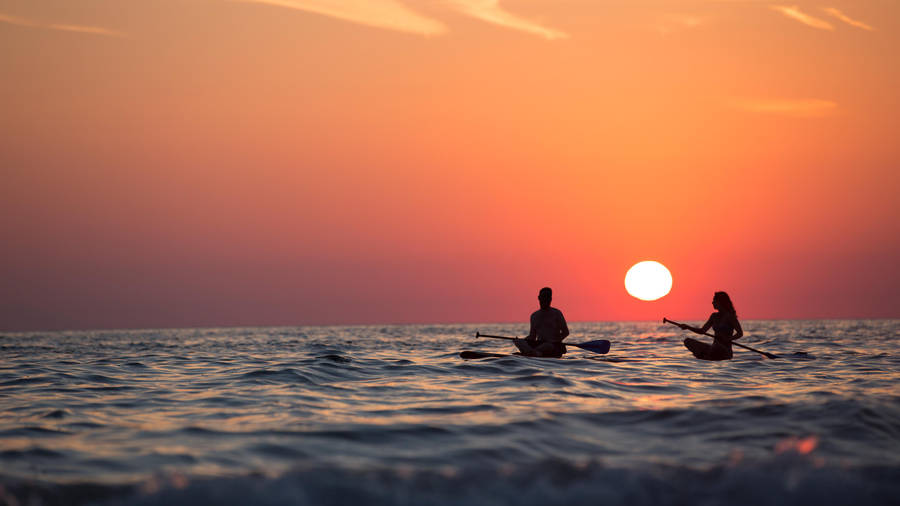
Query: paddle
[(601, 346), (768, 355)]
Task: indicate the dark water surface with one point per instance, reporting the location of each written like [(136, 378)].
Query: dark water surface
[(392, 415)]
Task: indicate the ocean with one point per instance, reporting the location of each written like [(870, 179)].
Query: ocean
[(391, 415)]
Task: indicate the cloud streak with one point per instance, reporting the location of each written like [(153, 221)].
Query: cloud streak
[(803, 108), (394, 15), (90, 30), (491, 12), (836, 13), (386, 14), (670, 23), (794, 12)]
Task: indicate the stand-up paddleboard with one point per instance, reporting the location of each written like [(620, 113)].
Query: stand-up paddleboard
[(480, 354), (601, 346), (703, 351)]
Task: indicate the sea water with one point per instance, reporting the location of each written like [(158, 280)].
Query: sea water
[(378, 415)]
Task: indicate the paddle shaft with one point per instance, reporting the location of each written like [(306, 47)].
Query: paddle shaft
[(478, 334), (769, 355)]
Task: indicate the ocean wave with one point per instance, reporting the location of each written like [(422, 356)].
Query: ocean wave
[(785, 480), (274, 376)]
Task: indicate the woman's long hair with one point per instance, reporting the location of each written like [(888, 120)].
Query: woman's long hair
[(725, 303)]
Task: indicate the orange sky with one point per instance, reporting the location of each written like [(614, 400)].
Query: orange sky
[(283, 162)]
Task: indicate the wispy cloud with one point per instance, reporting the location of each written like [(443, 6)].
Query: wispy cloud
[(387, 14), (91, 30), (794, 12), (13, 20), (491, 12), (835, 13), (806, 108), (669, 23), (394, 15)]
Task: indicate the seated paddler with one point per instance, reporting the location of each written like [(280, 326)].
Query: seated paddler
[(548, 329)]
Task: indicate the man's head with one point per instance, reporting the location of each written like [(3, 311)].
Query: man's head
[(545, 296)]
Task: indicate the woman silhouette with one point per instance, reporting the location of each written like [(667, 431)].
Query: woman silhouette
[(725, 325)]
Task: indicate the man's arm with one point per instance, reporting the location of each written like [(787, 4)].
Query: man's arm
[(563, 327), (532, 332)]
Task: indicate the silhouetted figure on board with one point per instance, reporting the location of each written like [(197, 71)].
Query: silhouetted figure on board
[(726, 328), (548, 329)]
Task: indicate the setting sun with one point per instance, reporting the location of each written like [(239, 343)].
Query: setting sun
[(648, 280)]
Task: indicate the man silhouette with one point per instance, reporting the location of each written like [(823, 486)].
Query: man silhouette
[(548, 329)]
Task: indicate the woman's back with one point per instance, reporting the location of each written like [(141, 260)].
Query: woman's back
[(723, 324)]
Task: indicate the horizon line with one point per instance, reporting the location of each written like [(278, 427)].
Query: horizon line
[(3, 333)]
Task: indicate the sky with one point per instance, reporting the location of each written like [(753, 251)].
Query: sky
[(197, 163)]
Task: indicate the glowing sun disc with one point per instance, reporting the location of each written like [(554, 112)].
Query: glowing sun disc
[(648, 280)]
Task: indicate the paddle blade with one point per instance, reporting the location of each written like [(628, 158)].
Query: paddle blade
[(601, 346)]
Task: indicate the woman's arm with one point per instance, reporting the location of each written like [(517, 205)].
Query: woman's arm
[(738, 331), (698, 330)]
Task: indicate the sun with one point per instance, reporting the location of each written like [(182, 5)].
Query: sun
[(648, 280)]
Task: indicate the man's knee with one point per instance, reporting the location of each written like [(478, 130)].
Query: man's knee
[(524, 347)]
